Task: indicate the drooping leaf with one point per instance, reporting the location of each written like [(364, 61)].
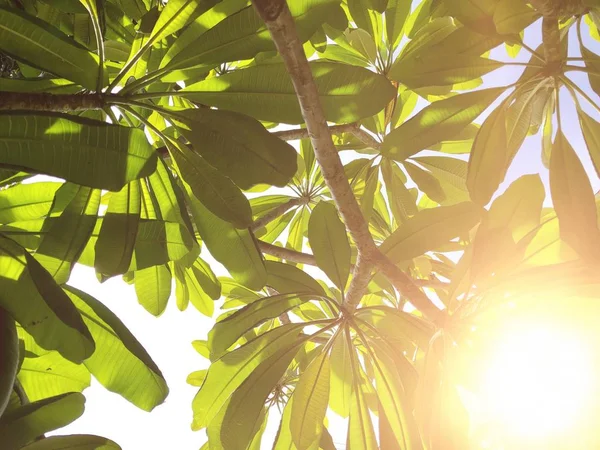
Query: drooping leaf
[(39, 305), (50, 375), (573, 199), (227, 331), (512, 16), (116, 241), (311, 397), (73, 442), (24, 424), (429, 229), (67, 235), (329, 242), (37, 43), (153, 288), (232, 247), (9, 357), (437, 122), (86, 152), (239, 147), (120, 363), (265, 92), (214, 190)]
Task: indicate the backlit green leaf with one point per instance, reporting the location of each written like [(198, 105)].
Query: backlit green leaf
[(329, 242), (437, 122), (265, 92)]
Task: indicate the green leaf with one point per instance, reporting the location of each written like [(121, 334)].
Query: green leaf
[(24, 424), (361, 434), (39, 305), (227, 331), (67, 235), (441, 70), (73, 442), (426, 182), (37, 43), (311, 397), (9, 357), (573, 199), (340, 378), (116, 241), (239, 147), (396, 327), (214, 190), (489, 157), (119, 363), (285, 279), (232, 247), (156, 242), (265, 92), (519, 208), (26, 201), (195, 292), (50, 375), (227, 374), (591, 134), (153, 288), (86, 152), (402, 202), (513, 16), (396, 14), (437, 122), (430, 229), (393, 399), (172, 18), (329, 242), (240, 35)]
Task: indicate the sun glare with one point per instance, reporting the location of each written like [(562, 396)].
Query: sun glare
[(537, 384)]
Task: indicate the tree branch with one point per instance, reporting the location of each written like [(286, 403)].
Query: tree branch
[(361, 276), (366, 138), (281, 25), (286, 253), (277, 212), (302, 133), (43, 101)]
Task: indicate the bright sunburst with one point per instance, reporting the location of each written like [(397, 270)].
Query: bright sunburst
[(538, 382)]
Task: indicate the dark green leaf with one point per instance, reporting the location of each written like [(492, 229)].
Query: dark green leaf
[(39, 44), (239, 147), (40, 306), (9, 357), (73, 442), (26, 423)]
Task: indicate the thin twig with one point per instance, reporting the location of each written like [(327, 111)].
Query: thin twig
[(366, 138), (286, 253), (277, 212), (302, 133)]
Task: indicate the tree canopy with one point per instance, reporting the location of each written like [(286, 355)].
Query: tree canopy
[(344, 160)]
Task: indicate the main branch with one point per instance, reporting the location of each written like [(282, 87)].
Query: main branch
[(281, 25)]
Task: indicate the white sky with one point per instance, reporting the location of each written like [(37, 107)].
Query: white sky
[(168, 338)]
